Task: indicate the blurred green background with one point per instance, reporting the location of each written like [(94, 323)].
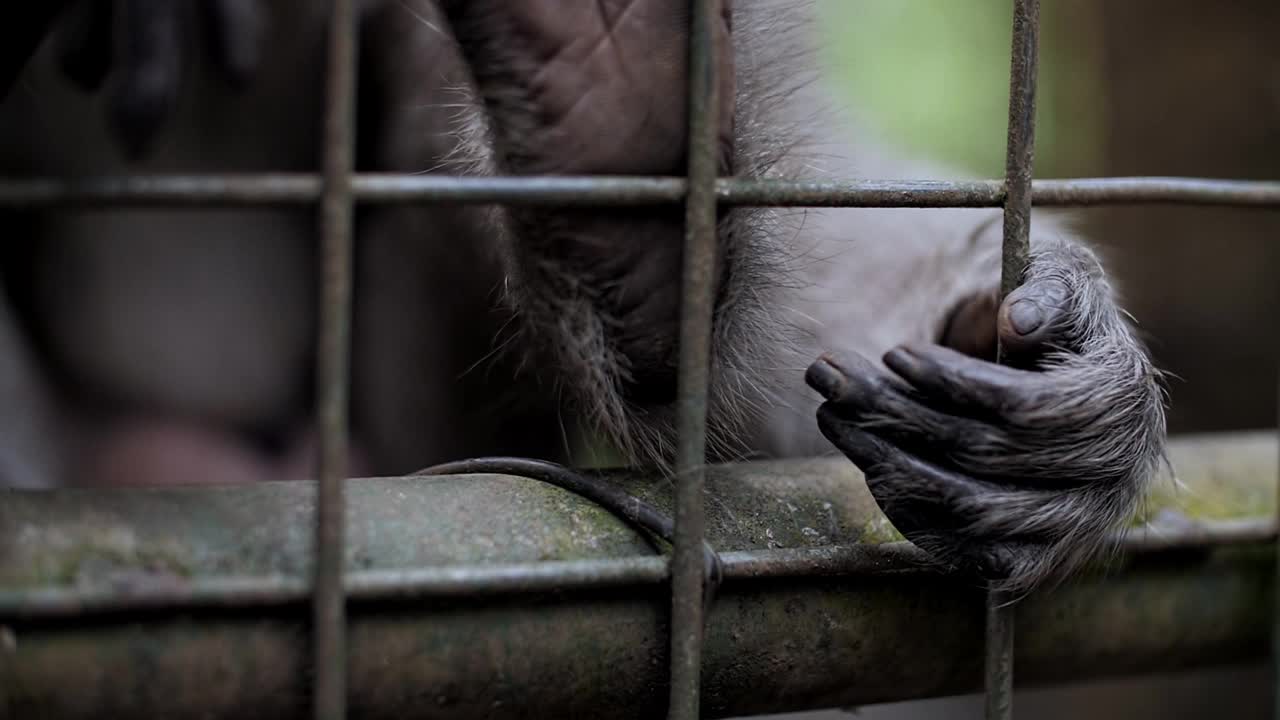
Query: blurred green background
[(933, 76)]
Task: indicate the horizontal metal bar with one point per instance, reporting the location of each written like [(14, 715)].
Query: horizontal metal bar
[(333, 360), (1155, 190), (143, 592), (990, 193), (439, 571), (84, 552), (770, 647), (274, 189), (277, 189)]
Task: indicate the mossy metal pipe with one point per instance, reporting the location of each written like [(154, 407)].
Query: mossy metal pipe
[(816, 610)]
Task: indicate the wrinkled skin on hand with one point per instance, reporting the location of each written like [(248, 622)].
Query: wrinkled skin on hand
[(1016, 472)]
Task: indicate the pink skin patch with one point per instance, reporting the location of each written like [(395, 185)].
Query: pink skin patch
[(169, 452)]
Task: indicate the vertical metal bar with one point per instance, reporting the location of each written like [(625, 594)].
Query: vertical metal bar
[(1275, 626), (999, 656), (687, 567), (1021, 144), (1015, 255), (333, 350)]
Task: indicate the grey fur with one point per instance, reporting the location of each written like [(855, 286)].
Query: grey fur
[(1068, 468), (796, 284)]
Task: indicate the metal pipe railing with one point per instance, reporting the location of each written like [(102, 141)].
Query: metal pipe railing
[(338, 188), (333, 350), (1015, 257), (228, 190), (697, 298), (518, 581)]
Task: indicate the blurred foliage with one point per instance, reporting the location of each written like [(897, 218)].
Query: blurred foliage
[(933, 76)]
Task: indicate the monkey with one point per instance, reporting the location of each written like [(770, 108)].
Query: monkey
[(166, 346)]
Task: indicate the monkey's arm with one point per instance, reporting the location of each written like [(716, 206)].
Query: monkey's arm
[(1014, 472), (592, 89)]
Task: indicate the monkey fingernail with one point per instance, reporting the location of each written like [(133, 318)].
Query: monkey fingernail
[(1025, 316), (902, 361), (827, 378)]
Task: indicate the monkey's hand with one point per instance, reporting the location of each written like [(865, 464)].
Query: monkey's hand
[(140, 44), (1016, 472)]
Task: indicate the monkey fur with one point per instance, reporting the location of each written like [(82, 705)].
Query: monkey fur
[(175, 345)]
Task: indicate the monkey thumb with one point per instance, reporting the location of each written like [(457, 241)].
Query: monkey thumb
[(1033, 318)]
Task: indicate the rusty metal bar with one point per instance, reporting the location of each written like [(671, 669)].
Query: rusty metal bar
[(249, 592), (73, 551), (422, 645), (772, 647), (1001, 607), (329, 631), (1082, 192), (1020, 154), (697, 294), (165, 597), (386, 188)]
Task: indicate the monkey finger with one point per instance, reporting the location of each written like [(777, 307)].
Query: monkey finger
[(894, 474), (972, 386), (1033, 320), (237, 28), (844, 377), (932, 506), (148, 54), (861, 394)]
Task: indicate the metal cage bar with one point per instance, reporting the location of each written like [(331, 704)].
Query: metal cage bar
[(1015, 256), (425, 625), (229, 190), (329, 691), (338, 188), (266, 592), (688, 569)]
